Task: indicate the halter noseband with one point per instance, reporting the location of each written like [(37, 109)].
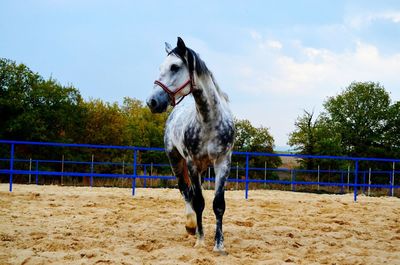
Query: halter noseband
[(172, 94)]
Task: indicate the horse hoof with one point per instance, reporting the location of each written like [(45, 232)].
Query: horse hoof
[(220, 250), (199, 243), (191, 230), (191, 224)]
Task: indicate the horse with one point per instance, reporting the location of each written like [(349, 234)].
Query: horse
[(199, 132)]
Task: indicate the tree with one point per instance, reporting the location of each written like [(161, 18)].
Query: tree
[(16, 82), (392, 132), (145, 129), (304, 136), (315, 136), (360, 121), (252, 139), (360, 115), (35, 109), (105, 124), (245, 133)]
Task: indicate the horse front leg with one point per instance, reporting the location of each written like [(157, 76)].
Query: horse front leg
[(180, 170), (188, 192), (222, 169)]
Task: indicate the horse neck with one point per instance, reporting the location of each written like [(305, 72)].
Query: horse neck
[(208, 99)]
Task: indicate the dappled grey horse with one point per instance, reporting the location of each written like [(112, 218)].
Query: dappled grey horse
[(199, 132)]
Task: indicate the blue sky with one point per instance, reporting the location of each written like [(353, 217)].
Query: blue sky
[(273, 58)]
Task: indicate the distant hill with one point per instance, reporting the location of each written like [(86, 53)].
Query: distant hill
[(283, 149), (289, 162)]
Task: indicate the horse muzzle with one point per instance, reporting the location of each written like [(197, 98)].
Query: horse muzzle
[(158, 103)]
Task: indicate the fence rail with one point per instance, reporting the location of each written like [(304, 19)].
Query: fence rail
[(11, 169)]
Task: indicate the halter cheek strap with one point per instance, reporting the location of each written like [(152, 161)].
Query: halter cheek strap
[(172, 94)]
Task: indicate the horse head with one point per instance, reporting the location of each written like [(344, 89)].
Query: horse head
[(175, 80)]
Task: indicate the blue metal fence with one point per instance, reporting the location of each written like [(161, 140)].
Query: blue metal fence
[(11, 169)]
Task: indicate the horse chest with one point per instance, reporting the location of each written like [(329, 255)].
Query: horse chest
[(200, 141), (194, 139)]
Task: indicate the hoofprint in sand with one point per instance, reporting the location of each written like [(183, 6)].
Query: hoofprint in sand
[(81, 225)]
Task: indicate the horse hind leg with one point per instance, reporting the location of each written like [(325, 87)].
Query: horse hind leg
[(219, 209), (221, 173)]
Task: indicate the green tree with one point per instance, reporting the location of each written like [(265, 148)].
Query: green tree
[(303, 138), (245, 133), (360, 114), (360, 121), (32, 108), (145, 129), (105, 124), (392, 132), (315, 136), (252, 139)]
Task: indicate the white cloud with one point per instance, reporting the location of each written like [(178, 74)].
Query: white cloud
[(357, 21), (314, 70), (255, 35), (274, 44), (264, 43)]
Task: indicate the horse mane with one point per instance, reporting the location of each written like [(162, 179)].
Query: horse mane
[(222, 93), (195, 63)]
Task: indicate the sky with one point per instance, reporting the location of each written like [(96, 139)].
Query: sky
[(274, 59)]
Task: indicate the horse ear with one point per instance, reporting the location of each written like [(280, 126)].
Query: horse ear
[(168, 47), (180, 44)]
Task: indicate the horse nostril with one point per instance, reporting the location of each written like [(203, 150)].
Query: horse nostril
[(153, 103)]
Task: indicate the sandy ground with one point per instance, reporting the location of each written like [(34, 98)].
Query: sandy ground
[(79, 225)]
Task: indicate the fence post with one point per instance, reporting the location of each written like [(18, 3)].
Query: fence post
[(91, 171), (392, 184), (364, 182), (62, 169), (30, 170), (11, 166), (341, 181), (247, 178), (355, 180), (145, 176), (237, 175), (265, 174), (293, 180), (37, 172), (134, 170), (369, 181), (348, 178), (318, 177), (151, 174)]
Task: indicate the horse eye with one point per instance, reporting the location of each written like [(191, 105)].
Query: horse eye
[(174, 68)]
